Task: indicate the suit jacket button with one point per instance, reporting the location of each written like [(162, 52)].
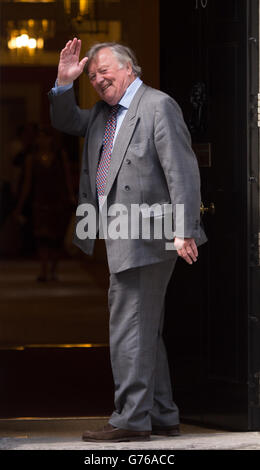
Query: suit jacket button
[(84, 194), (127, 188), (86, 171), (128, 161)]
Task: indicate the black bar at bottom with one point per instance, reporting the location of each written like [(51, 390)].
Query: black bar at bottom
[(126, 458)]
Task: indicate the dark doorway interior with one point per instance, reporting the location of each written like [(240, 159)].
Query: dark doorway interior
[(206, 61)]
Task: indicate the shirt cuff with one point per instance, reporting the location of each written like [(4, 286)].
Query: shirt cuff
[(58, 90)]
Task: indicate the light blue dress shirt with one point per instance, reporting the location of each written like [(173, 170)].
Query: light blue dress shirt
[(124, 102)]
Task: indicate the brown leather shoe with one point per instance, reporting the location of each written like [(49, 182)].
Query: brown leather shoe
[(111, 434), (166, 430)]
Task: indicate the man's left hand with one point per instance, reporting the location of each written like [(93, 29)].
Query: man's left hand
[(187, 249)]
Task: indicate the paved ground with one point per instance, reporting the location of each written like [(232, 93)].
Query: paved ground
[(65, 434)]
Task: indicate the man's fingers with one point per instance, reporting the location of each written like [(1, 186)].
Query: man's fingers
[(72, 51), (187, 249), (189, 252), (194, 248), (78, 47), (68, 43), (183, 254), (66, 51), (83, 62), (73, 46)]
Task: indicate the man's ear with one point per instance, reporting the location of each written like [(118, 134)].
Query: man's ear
[(129, 68)]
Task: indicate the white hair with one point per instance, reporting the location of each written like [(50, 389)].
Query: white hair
[(123, 53)]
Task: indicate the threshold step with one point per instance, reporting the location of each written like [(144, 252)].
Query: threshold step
[(26, 427)]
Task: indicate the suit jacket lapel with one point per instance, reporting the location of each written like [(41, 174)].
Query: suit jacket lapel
[(123, 138)]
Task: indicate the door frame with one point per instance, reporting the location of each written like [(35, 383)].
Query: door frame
[(253, 195)]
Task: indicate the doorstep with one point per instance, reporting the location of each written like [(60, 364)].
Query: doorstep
[(28, 427)]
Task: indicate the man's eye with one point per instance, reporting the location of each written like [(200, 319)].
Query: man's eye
[(92, 77), (103, 71)]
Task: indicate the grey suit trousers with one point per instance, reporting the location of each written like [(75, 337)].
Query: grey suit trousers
[(143, 394)]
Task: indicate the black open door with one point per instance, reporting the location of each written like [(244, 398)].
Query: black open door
[(209, 64)]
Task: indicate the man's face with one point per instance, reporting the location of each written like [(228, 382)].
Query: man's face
[(108, 77)]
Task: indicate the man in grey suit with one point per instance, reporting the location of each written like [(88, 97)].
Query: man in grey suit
[(137, 155)]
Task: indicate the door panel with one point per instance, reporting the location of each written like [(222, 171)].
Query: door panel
[(207, 305)]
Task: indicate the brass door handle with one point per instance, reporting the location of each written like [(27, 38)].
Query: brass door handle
[(207, 210)]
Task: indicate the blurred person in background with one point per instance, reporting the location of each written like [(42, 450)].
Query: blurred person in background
[(47, 178), (16, 236), (19, 148)]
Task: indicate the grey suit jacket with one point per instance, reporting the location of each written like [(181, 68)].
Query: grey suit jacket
[(152, 163)]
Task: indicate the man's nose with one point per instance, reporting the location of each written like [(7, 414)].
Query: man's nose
[(99, 78)]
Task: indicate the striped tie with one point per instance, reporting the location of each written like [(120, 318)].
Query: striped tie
[(105, 158)]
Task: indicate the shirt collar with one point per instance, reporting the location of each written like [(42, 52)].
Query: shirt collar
[(130, 92)]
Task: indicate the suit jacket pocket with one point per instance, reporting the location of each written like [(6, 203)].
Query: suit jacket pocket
[(139, 148)]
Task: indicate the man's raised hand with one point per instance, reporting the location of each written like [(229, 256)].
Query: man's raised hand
[(69, 66)]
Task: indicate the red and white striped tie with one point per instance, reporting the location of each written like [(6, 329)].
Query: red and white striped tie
[(105, 158)]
